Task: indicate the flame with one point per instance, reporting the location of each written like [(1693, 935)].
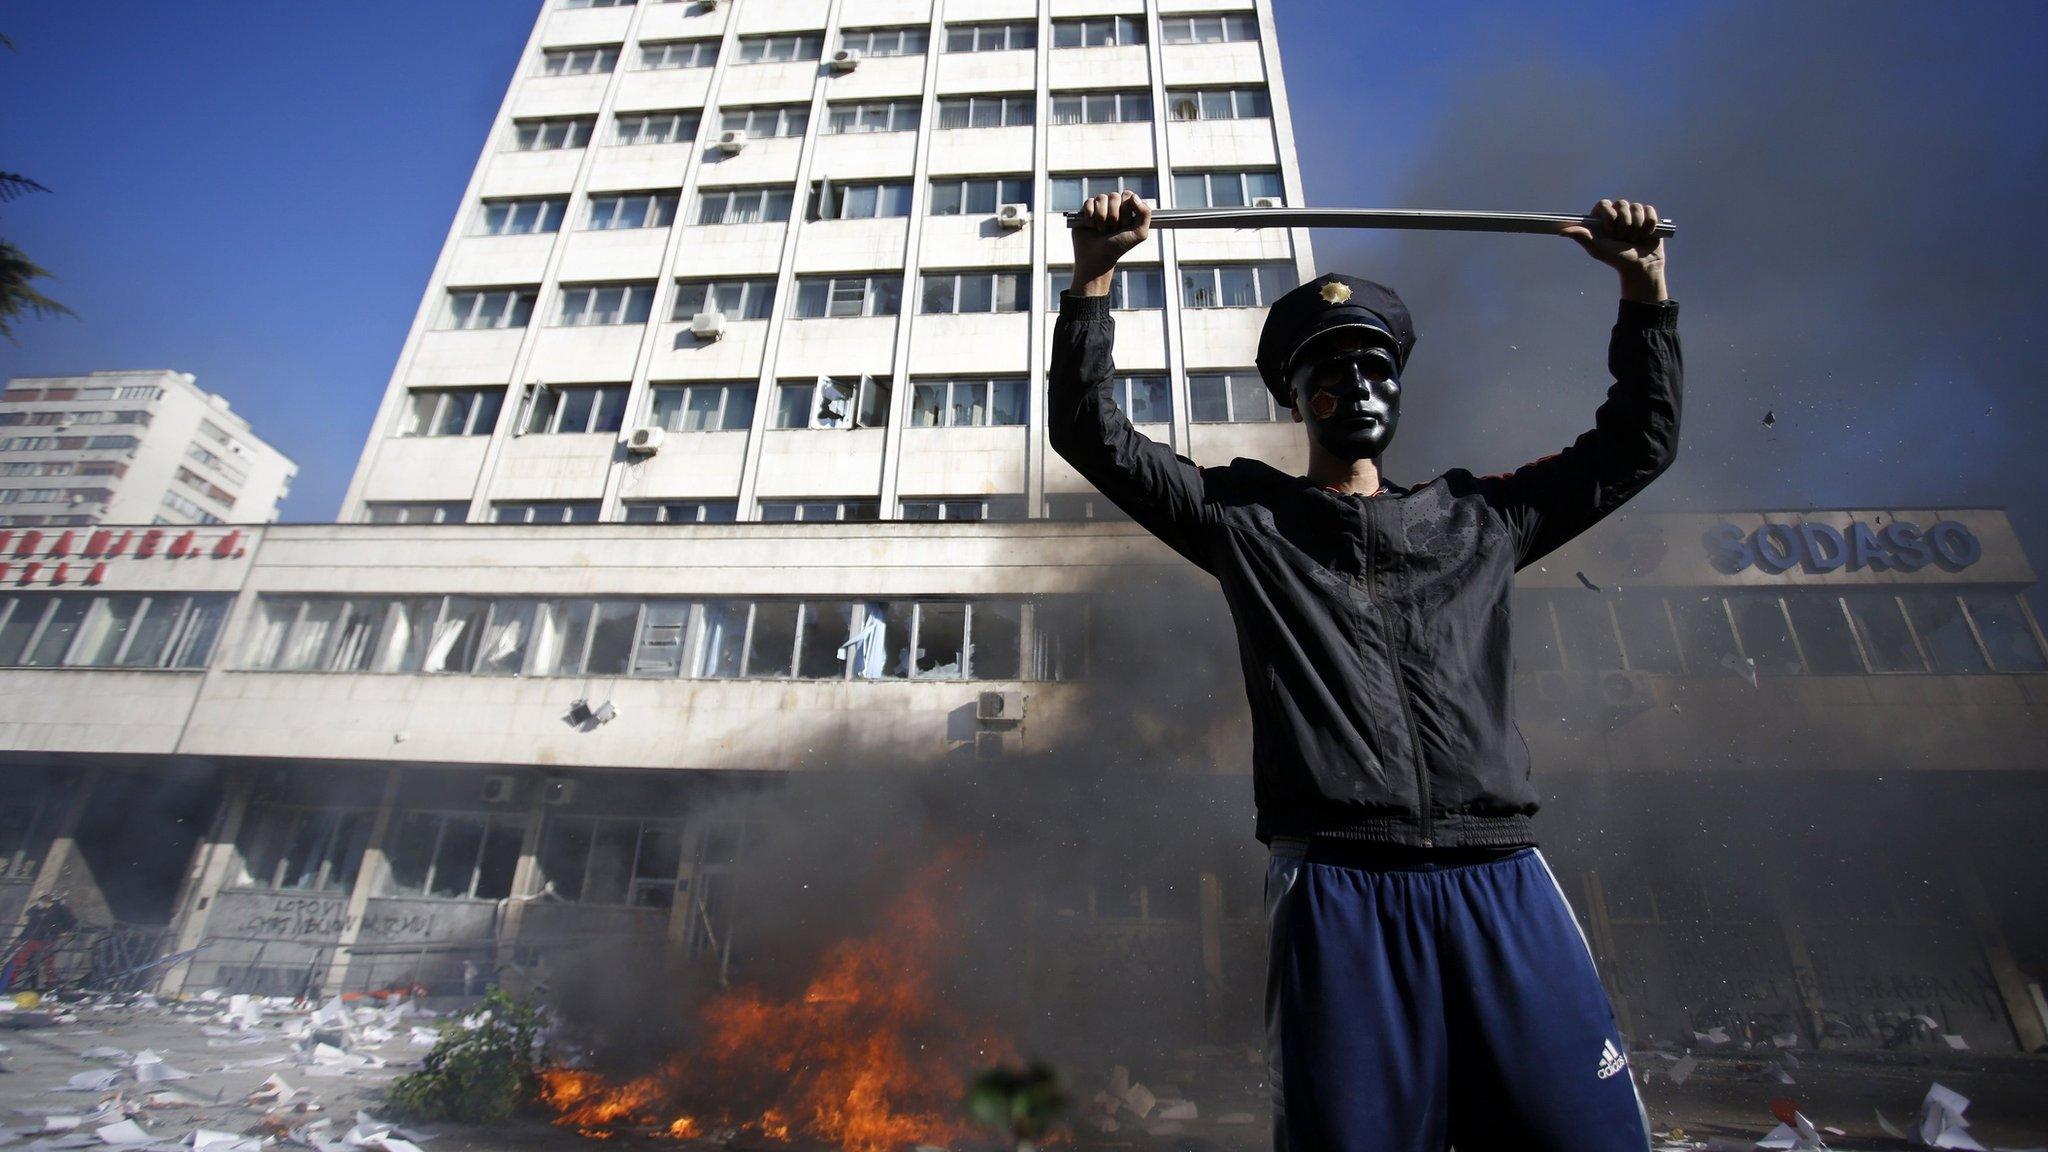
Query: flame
[(866, 1057)]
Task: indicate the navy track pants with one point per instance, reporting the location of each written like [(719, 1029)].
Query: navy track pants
[(1420, 1006)]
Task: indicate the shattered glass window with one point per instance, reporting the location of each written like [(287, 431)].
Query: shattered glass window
[(2011, 641), (1705, 637), (1938, 617), (1824, 633), (1588, 631), (1647, 634), (1886, 639), (1766, 633)]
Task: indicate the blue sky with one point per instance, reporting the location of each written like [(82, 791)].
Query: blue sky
[(255, 192)]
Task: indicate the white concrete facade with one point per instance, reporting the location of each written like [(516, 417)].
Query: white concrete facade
[(413, 469), (132, 448)]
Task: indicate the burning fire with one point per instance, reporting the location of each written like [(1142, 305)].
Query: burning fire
[(866, 1057)]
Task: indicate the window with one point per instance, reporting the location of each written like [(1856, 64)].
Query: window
[(621, 210), (489, 308), (678, 54), (880, 294), (743, 205), (655, 128), (1101, 107), (1824, 633), (735, 299), (1239, 396), (102, 442), (1016, 36), (703, 407), (520, 217), (1224, 189), (967, 403), (140, 392), (682, 512), (585, 61), (781, 49), (559, 409), (1944, 631), (1765, 632), (30, 495), (611, 860), (552, 134), (188, 509), (830, 403), (937, 640), (996, 111), (200, 454), (1130, 287), (597, 3), (1235, 285), (1069, 191), (288, 848), (451, 411), (161, 630), (1208, 29), (189, 479), (1590, 643), (1144, 399), (2007, 633), (767, 120), (454, 855), (587, 305), (830, 201), (544, 512), (816, 511), (905, 41), (1881, 625), (1098, 31), (1647, 636), (1059, 636), (1533, 635), (415, 512), (1219, 103), (943, 292), (34, 443), (978, 196), (973, 508), (872, 116)]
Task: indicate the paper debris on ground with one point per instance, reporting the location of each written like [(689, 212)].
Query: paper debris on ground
[(273, 1090), (1178, 1110), (423, 1037), (1940, 1123), (207, 1140), (104, 1053), (90, 1082), (123, 1132), (150, 1069), (1140, 1100)]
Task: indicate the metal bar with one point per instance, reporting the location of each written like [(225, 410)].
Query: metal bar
[(1536, 223)]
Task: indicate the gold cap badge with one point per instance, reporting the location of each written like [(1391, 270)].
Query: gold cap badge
[(1336, 292)]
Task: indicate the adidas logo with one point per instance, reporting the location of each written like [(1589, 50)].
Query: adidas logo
[(1611, 1060)]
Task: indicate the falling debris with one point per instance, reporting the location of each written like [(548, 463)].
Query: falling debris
[(1940, 1123), (1586, 582), (1771, 418)]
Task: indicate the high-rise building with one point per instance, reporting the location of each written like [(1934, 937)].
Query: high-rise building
[(799, 260), (132, 448)]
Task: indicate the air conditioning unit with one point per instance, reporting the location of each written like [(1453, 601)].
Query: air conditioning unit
[(1013, 215), (1620, 689), (1266, 202), (1554, 688), (559, 790), (708, 5), (707, 325), (732, 140), (999, 707), (646, 441), (499, 789), (844, 60)]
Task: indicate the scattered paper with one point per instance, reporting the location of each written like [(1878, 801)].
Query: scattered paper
[(1140, 1100), (124, 1132), (1683, 1070), (1178, 1110), (90, 1082)]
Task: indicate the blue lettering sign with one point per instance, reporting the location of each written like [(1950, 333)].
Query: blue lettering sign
[(1819, 548)]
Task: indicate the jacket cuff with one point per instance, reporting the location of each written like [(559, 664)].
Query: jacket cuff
[(1661, 315), (1084, 307)]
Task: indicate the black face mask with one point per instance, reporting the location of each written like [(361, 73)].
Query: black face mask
[(1350, 400)]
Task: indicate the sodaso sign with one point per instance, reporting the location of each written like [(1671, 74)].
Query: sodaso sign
[(1894, 547)]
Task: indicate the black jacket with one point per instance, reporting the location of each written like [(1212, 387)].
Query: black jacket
[(1374, 630)]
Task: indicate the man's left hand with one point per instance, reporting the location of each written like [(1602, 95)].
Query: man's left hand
[(1623, 236)]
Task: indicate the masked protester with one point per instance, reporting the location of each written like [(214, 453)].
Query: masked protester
[(48, 922), (1427, 984)]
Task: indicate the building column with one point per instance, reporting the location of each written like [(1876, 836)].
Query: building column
[(1803, 976), (369, 876), (1212, 952), (60, 862), (2014, 990), (212, 863), (512, 910)]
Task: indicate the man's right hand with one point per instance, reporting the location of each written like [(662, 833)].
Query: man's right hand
[(1108, 226)]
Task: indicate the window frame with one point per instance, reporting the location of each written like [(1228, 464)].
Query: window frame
[(1016, 35), (1261, 271), (757, 298), (770, 204), (517, 313), (875, 294), (1276, 413), (1124, 31), (723, 414), (607, 405), (1018, 281), (635, 304), (1118, 97), (676, 121)]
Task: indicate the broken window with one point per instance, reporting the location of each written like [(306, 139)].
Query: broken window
[(1824, 633), (1938, 618), (941, 642), (292, 848), (457, 635), (771, 647), (996, 632), (1059, 639), (507, 634), (2008, 635), (611, 638), (663, 630), (1704, 635), (611, 860), (821, 653), (721, 652), (1590, 644), (1881, 624), (454, 855), (27, 822), (1765, 632), (833, 403), (1646, 633)]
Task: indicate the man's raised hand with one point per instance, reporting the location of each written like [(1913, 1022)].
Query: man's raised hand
[(1623, 236), (1107, 226)]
